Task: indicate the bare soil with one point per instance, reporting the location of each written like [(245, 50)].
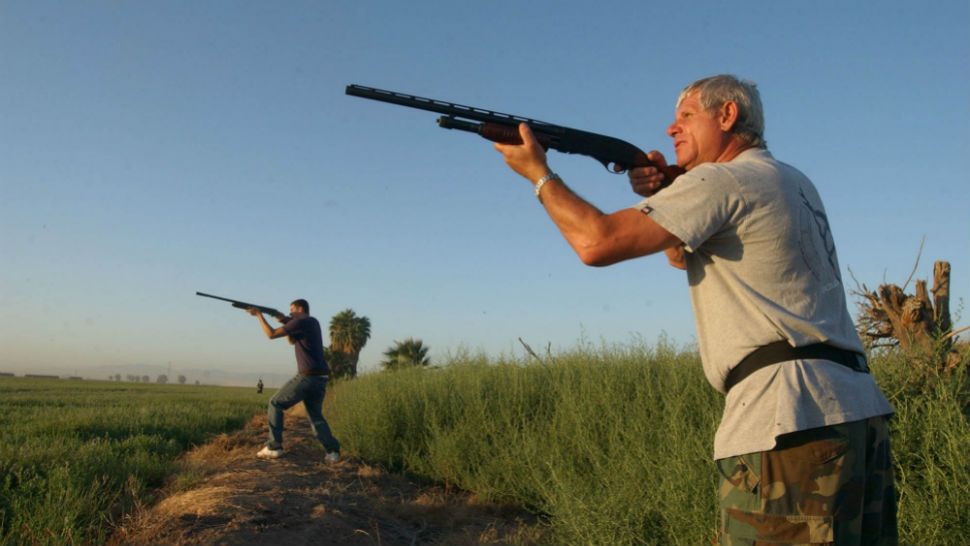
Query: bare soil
[(224, 495)]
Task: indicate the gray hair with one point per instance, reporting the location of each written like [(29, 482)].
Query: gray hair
[(714, 91)]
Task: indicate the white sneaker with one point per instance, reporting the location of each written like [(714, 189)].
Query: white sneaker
[(332, 457), (267, 453)]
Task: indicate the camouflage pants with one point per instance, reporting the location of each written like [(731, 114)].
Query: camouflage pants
[(830, 485)]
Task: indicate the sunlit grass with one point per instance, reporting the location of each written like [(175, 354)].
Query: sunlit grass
[(610, 444), (613, 444), (77, 455)]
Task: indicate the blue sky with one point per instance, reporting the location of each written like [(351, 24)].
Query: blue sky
[(152, 149)]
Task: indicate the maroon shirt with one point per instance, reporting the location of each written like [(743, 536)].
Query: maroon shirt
[(308, 344)]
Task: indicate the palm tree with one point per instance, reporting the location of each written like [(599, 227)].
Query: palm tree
[(348, 335), (407, 353)]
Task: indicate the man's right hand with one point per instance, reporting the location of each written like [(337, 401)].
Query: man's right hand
[(647, 181), (675, 256)]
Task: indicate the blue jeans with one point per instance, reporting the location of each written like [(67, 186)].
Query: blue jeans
[(310, 390)]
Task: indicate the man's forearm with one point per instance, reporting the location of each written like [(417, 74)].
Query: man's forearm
[(267, 329), (602, 239), (598, 239), (577, 219), (265, 325)]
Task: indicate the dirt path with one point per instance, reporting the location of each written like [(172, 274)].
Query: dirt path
[(233, 498)]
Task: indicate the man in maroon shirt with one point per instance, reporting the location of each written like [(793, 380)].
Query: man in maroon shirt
[(308, 385)]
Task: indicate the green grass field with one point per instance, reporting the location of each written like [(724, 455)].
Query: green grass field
[(611, 444), (75, 456)]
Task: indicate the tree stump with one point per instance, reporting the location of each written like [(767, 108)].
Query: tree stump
[(915, 323)]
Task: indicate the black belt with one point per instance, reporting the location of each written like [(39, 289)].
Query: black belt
[(781, 351)]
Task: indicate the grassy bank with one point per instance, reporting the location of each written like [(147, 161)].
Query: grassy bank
[(76, 455), (613, 444)]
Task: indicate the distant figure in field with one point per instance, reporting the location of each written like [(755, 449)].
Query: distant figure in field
[(309, 384), (259, 386), (802, 449)]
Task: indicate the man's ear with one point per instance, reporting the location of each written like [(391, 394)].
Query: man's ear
[(728, 115)]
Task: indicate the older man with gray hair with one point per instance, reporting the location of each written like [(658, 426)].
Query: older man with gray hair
[(802, 448)]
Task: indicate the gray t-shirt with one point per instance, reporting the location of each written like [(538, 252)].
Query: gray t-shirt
[(762, 266)]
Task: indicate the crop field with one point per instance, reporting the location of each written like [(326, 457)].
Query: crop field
[(76, 456), (608, 444)]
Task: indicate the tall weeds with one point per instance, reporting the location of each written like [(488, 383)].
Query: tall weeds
[(931, 448), (612, 444)]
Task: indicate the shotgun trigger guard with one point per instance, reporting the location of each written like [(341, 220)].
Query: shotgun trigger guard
[(612, 167)]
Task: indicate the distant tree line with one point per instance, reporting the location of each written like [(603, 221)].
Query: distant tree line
[(349, 333), (162, 379)]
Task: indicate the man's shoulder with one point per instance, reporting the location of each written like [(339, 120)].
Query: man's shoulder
[(301, 321), (752, 158), (308, 319), (710, 178), (753, 168)]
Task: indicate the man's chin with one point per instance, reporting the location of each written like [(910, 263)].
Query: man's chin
[(683, 161)]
